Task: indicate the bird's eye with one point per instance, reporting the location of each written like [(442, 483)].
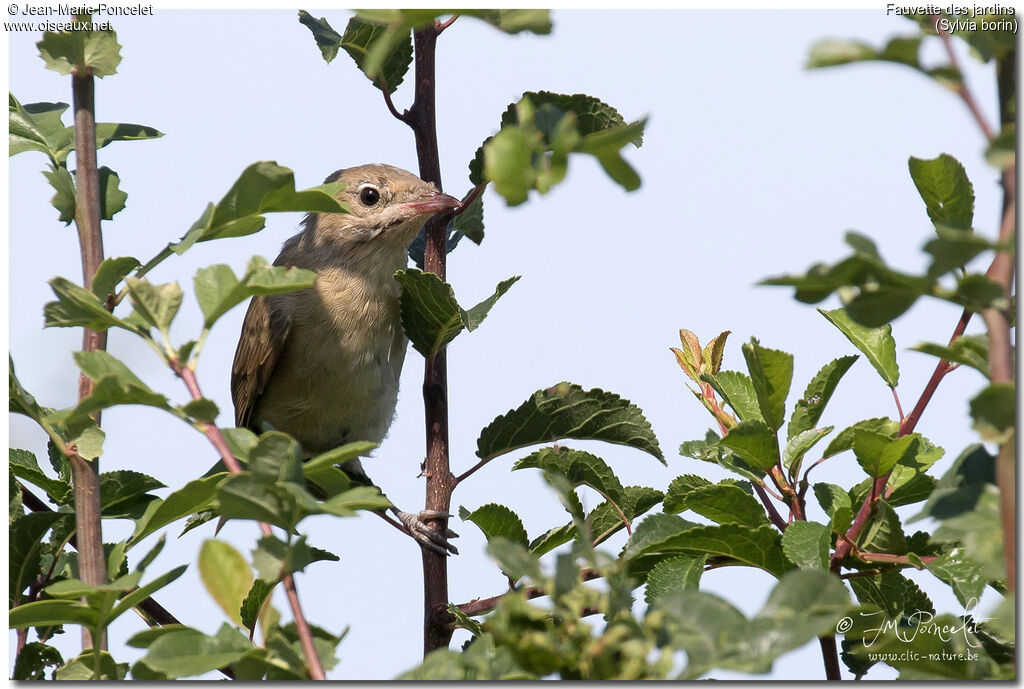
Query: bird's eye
[(369, 196)]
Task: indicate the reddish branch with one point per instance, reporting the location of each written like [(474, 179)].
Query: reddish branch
[(316, 669), (479, 606)]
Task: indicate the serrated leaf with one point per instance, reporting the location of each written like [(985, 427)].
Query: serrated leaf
[(964, 576), (497, 521), (970, 350), (64, 197), (218, 290), (725, 503), (884, 533), (993, 411), (23, 550), (802, 606), (190, 652), (359, 39), (799, 445), (76, 306), (844, 440), (568, 411), (679, 489), (33, 659), (877, 453), (254, 601), (119, 487), (771, 373), (945, 189), (195, 496), (115, 384), (806, 544), (226, 576), (755, 443), (111, 197), (431, 316), (877, 344), (110, 273), (155, 304), (808, 409), (470, 220), (737, 390), (38, 127), (1002, 150), (263, 187), (672, 575), (960, 489), (955, 248), (668, 535), (579, 467), (94, 51), (23, 464)]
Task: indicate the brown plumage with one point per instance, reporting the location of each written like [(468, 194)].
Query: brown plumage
[(323, 364)]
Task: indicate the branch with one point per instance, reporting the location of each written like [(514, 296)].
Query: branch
[(85, 474), (316, 669), (440, 482), (895, 559), (479, 606), (961, 89)]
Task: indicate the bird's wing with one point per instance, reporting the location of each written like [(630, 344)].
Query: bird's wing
[(263, 336)]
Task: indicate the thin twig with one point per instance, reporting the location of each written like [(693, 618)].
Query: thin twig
[(961, 89), (479, 606), (895, 559), (316, 670), (899, 407), (400, 116), (444, 25)]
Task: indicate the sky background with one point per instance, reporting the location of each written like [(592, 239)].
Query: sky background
[(751, 167)]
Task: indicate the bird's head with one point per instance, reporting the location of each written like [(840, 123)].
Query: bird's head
[(388, 205)]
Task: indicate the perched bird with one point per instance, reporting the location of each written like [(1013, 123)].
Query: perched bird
[(323, 364)]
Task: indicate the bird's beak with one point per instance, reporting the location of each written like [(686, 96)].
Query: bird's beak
[(433, 202)]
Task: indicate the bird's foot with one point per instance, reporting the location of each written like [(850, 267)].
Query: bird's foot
[(416, 525)]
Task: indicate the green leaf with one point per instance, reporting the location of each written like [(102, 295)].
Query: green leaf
[(194, 497), (218, 290), (254, 601), (960, 489), (978, 292), (877, 453), (190, 652), (110, 273), (95, 51), (809, 408), (108, 132), (360, 498), (970, 350), (432, 317), (359, 39), (945, 189), (64, 198), (514, 21), (725, 503), (712, 450), (244, 496), (143, 592), (156, 304), (806, 544), (675, 574), (877, 344), (994, 411), (470, 220), (263, 187), (771, 373), (114, 384), (1002, 150), (755, 443), (844, 440), (884, 533), (568, 411), (83, 668), (497, 521), (327, 39), (798, 446), (537, 134), (737, 390), (954, 248), (665, 535), (23, 464), (514, 559), (33, 659), (76, 306), (111, 197), (48, 613), (38, 127), (23, 549), (802, 606), (579, 467), (226, 576), (964, 576)]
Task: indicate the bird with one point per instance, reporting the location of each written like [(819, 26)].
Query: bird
[(323, 364)]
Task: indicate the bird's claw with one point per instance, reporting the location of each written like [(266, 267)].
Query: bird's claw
[(437, 541)]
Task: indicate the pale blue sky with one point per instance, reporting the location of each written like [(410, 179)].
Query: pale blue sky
[(751, 167)]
